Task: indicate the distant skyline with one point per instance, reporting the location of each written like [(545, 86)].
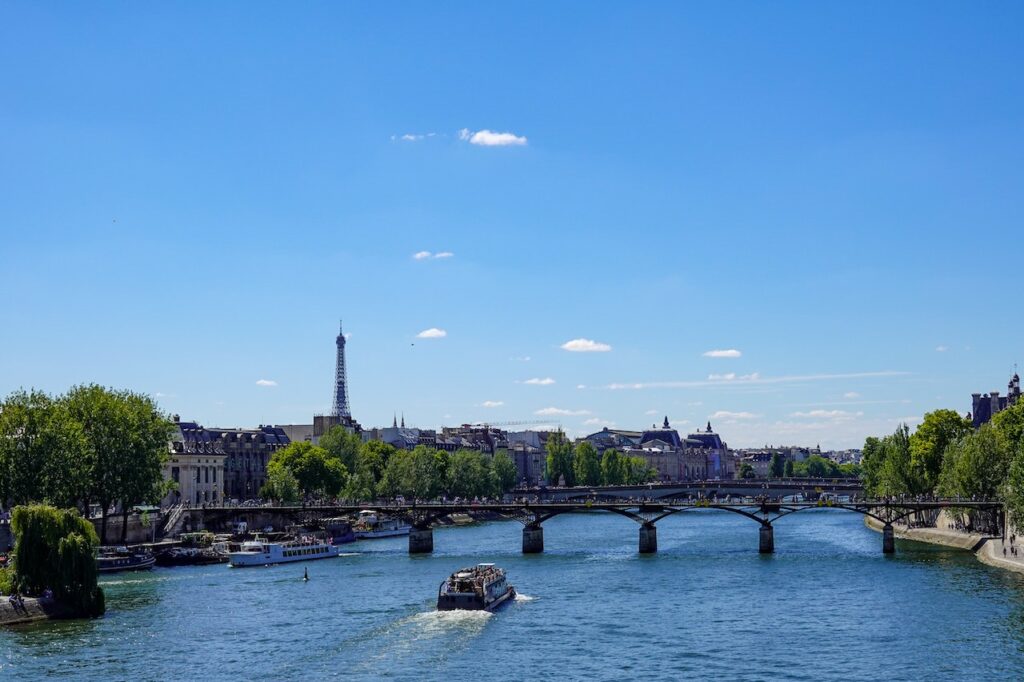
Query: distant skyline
[(801, 222)]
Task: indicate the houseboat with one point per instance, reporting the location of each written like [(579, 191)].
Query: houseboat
[(371, 526), (116, 559), (263, 553), (481, 588)]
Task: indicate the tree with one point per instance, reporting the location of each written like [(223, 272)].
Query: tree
[(281, 485), (896, 475), (559, 459), (1014, 488), (1010, 423), (505, 472), (343, 445), (788, 470), (872, 458), (55, 549), (125, 441), (637, 471), (613, 471), (977, 465), (419, 473), (745, 470), (315, 470), (586, 465), (929, 442), (777, 467), (469, 475)]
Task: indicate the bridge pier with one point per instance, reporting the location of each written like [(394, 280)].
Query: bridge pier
[(421, 540), (533, 539), (648, 538), (767, 539), (888, 539)]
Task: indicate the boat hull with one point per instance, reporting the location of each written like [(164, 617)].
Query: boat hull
[(114, 566), (374, 534), (446, 604), (243, 559)]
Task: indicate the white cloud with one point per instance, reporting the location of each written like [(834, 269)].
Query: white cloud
[(266, 382), (728, 353), (581, 386), (753, 379), (432, 333), (732, 376), (851, 395), (411, 137), (427, 255), (487, 138), (523, 358), (941, 349), (492, 403), (537, 381), (594, 421), (586, 346), (726, 414), (827, 414), (651, 412), (551, 411)]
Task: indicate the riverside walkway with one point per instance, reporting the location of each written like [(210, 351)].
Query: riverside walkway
[(763, 511)]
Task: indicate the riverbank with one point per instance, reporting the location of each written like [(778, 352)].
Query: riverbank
[(31, 611), (987, 549)]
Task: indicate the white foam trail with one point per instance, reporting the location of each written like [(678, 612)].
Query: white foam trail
[(524, 597)]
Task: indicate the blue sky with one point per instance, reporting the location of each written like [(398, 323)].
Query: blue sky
[(191, 197)]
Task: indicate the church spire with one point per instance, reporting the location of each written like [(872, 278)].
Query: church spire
[(403, 419), (394, 420), (665, 425)]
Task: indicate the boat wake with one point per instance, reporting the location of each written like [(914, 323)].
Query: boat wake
[(524, 597)]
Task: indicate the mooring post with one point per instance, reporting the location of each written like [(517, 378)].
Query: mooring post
[(533, 539), (648, 538), (421, 540), (888, 539), (767, 539)]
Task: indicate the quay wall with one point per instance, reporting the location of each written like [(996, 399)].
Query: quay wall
[(34, 610)]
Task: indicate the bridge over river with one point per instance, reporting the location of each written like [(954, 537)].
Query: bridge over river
[(776, 488), (764, 511)]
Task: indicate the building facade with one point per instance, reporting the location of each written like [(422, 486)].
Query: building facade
[(984, 407), (196, 466)]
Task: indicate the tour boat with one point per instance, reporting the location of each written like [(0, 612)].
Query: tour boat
[(262, 553), (481, 588), (370, 526), (339, 530), (123, 559)]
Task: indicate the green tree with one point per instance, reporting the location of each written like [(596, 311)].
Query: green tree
[(637, 471), (1010, 423), (281, 486), (788, 470), (896, 475), (929, 442), (777, 467), (315, 470), (419, 473), (505, 472), (586, 465), (613, 470), (745, 470), (469, 475), (559, 459), (1014, 488), (872, 458), (27, 446), (343, 446), (55, 549), (977, 465)]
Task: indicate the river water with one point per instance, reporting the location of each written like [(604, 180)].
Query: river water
[(827, 605)]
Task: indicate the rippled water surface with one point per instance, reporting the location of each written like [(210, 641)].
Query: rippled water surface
[(826, 605)]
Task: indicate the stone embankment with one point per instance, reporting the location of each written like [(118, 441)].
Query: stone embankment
[(987, 549), (30, 611)]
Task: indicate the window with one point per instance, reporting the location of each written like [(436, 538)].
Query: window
[(215, 475), (207, 470)]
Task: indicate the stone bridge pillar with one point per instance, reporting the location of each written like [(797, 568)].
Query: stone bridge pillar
[(421, 540), (648, 538), (767, 539), (888, 539), (533, 539)]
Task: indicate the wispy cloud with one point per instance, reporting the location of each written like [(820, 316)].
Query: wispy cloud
[(726, 353), (851, 395), (651, 412), (432, 333), (411, 137), (488, 138), (521, 358), (827, 414), (728, 415), (753, 379), (266, 382), (552, 411), (941, 349), (581, 386), (427, 255), (594, 421), (492, 403), (732, 376), (537, 381), (586, 346)]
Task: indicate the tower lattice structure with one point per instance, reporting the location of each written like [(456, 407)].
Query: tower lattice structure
[(341, 406)]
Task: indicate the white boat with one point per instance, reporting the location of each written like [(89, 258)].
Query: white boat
[(481, 588), (370, 526), (262, 553)]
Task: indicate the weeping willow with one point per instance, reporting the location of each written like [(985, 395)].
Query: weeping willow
[(56, 549)]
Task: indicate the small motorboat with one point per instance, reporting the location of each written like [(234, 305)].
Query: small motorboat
[(481, 588), (116, 559)]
